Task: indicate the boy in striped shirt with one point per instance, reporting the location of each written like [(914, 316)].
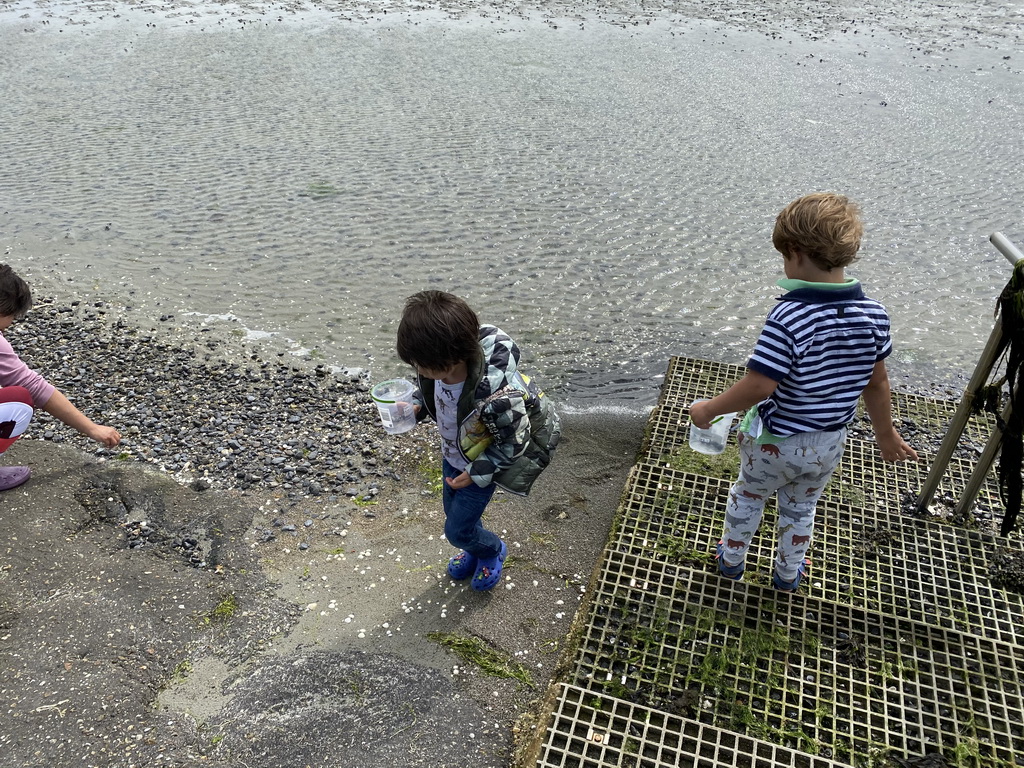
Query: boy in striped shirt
[(822, 346)]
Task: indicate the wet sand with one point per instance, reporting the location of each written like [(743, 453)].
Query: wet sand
[(931, 26)]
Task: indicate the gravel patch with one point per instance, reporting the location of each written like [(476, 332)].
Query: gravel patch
[(209, 411)]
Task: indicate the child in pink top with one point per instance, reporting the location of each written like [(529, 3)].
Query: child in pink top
[(22, 390)]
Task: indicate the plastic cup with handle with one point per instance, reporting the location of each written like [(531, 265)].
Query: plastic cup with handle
[(393, 399), (713, 439)]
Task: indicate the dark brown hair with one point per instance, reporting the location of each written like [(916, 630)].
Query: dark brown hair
[(437, 331), (824, 226), (15, 295)]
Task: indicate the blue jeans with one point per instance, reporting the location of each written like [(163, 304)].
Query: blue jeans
[(462, 512)]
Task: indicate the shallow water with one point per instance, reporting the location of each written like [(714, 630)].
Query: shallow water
[(605, 194)]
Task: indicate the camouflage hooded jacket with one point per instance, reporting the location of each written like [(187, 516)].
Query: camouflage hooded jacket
[(508, 428)]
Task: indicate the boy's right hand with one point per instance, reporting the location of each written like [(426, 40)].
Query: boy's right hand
[(462, 480), (701, 415)]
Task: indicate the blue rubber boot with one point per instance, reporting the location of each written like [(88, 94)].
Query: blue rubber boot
[(791, 586)]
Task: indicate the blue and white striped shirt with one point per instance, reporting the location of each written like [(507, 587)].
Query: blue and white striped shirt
[(821, 346)]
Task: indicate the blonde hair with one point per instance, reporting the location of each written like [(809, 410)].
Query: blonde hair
[(824, 226)]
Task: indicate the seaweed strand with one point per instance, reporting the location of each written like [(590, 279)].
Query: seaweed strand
[(1011, 456)]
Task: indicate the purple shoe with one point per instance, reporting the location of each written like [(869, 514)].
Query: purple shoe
[(12, 477)]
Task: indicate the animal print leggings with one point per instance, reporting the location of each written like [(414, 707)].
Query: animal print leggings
[(798, 468)]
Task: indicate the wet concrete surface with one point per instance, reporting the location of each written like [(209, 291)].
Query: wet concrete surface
[(147, 623)]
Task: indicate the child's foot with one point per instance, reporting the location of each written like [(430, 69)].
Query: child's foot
[(462, 566), (734, 572), (488, 570), (790, 586), (12, 477)]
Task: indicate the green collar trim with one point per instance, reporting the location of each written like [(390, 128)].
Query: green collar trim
[(792, 284)]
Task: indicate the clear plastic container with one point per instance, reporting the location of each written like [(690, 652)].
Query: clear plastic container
[(714, 439), (394, 403)]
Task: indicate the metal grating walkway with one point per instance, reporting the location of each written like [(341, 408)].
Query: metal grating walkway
[(897, 650), (897, 565), (833, 680), (590, 730)]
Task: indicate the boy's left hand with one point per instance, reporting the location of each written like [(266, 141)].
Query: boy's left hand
[(459, 481), (894, 447)]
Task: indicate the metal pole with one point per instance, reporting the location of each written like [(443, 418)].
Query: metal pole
[(993, 348), (995, 441), (1008, 249), (981, 469)]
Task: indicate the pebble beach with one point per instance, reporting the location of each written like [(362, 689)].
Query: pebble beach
[(207, 410)]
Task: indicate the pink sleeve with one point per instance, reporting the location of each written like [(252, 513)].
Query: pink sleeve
[(13, 372)]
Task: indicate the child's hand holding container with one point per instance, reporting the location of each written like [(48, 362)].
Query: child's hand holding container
[(393, 399), (713, 439)]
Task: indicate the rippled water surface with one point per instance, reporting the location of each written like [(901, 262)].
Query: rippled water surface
[(604, 193)]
